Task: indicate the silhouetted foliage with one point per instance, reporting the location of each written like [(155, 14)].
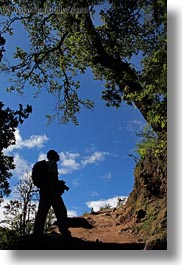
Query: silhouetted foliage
[(7, 237), (66, 41), (9, 121), (20, 212), (2, 42), (106, 207)]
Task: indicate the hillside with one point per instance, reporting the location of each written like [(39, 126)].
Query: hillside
[(105, 226), (100, 230), (139, 224)]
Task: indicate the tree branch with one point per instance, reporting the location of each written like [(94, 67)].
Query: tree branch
[(119, 68)]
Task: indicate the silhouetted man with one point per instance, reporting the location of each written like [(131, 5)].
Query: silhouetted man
[(50, 196)]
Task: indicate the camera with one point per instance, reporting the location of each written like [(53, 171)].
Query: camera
[(62, 186)]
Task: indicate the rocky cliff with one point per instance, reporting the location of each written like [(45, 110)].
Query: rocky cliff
[(147, 204)]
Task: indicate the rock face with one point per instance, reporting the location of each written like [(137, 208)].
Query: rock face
[(156, 243), (147, 203)]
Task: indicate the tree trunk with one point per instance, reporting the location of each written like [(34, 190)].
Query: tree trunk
[(119, 68)]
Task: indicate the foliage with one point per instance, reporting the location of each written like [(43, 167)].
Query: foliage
[(51, 218), (7, 237), (121, 202), (9, 120), (20, 212), (67, 39), (85, 213), (106, 207), (2, 43), (151, 143)]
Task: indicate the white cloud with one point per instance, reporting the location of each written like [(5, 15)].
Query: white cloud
[(70, 163), (68, 166), (94, 194), (37, 141), (72, 213), (107, 176), (73, 161), (64, 171), (101, 203), (67, 155), (42, 156), (22, 166), (94, 158), (1, 211), (75, 183), (134, 125)]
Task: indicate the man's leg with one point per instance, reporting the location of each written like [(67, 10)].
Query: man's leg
[(44, 205), (61, 215)]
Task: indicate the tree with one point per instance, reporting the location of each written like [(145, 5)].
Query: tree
[(66, 41), (7, 238), (2, 43), (50, 219), (121, 202), (9, 121), (106, 207), (150, 143), (20, 213)]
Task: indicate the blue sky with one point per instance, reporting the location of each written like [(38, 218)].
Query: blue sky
[(94, 155)]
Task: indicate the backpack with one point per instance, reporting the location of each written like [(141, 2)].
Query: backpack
[(40, 173)]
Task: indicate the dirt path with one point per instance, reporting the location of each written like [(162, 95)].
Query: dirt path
[(106, 227)]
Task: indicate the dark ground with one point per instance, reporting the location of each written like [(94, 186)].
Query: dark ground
[(56, 242)]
